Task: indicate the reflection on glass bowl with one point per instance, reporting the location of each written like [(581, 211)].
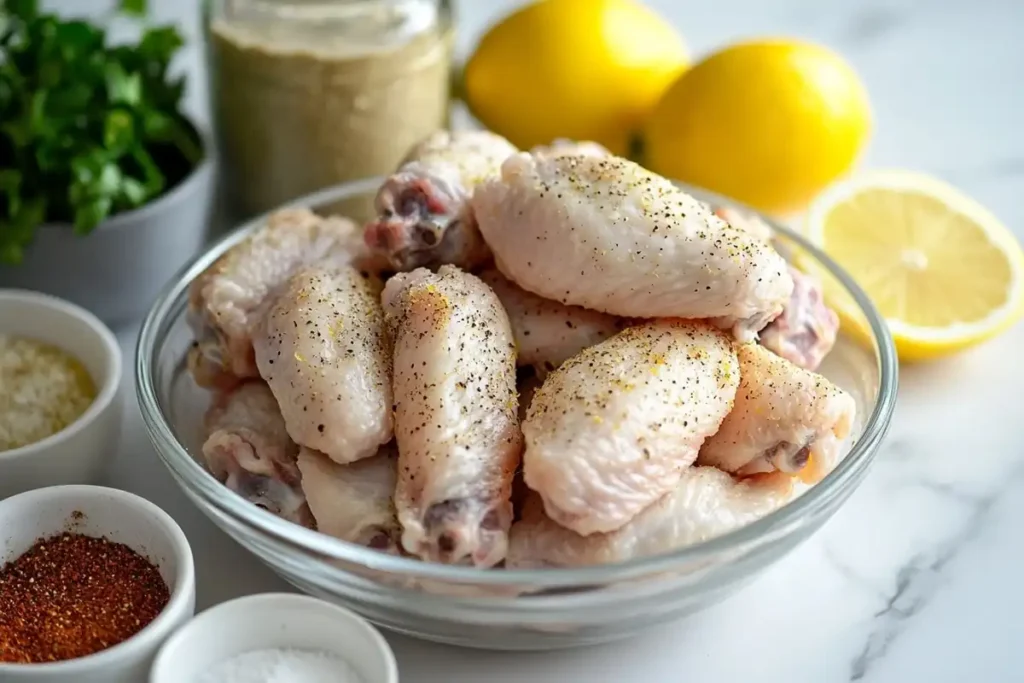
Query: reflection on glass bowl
[(521, 609)]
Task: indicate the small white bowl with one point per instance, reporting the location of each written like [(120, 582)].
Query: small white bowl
[(79, 453), (122, 517), (269, 621)]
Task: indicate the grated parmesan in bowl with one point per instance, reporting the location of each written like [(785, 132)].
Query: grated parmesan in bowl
[(60, 393), (43, 390)]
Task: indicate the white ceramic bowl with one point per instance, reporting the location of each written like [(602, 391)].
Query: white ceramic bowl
[(122, 517), (93, 271), (79, 453), (274, 620)]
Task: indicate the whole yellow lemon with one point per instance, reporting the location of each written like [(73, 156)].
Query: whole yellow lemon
[(582, 69), (769, 122)]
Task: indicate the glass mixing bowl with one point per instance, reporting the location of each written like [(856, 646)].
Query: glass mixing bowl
[(523, 609)]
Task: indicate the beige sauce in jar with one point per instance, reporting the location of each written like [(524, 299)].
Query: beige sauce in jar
[(314, 94), (42, 391)]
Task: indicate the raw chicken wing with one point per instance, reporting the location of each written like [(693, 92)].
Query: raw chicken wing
[(749, 223), (546, 332), (705, 503), (606, 234), (806, 330), (353, 502), (785, 419), (423, 213), (324, 351), (455, 415), (230, 296), (249, 450), (560, 146), (612, 429)]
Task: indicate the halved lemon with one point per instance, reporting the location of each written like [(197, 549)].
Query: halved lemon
[(942, 270)]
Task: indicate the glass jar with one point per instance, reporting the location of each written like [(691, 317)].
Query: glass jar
[(310, 93)]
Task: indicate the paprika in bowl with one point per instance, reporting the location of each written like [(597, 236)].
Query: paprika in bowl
[(92, 581)]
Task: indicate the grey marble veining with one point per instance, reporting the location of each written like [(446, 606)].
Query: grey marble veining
[(917, 578)]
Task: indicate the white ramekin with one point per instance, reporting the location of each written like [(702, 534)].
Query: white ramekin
[(80, 452), (274, 620), (122, 517)]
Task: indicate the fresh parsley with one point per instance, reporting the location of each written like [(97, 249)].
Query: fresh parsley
[(87, 129)]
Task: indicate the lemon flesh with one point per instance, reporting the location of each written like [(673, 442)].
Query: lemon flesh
[(580, 69), (769, 122), (940, 268)]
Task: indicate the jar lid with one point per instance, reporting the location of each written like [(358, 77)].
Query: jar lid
[(328, 25)]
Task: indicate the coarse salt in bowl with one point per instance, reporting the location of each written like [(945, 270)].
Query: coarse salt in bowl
[(276, 636)]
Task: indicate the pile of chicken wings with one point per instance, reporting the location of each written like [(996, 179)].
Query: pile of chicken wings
[(526, 359)]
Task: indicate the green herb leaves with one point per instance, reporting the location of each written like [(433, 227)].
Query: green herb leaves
[(87, 130), (134, 7)]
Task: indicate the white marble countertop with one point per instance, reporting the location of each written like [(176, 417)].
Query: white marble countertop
[(917, 577)]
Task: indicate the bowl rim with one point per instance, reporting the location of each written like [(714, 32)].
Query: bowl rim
[(108, 388), (796, 513), (179, 642), (164, 622)]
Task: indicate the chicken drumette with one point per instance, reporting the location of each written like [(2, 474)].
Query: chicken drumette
[(424, 217), (324, 351), (456, 421)]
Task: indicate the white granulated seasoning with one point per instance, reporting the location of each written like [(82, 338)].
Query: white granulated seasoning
[(42, 390), (282, 666)]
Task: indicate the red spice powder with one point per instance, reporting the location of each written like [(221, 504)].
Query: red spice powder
[(71, 595)]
